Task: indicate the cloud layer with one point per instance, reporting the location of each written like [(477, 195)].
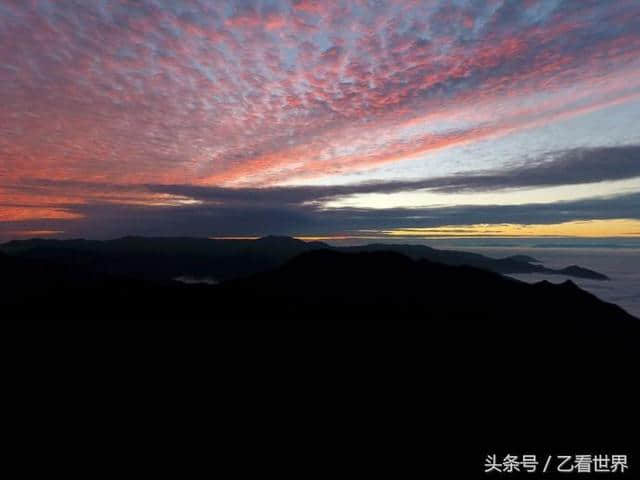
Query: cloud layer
[(165, 104), (108, 210)]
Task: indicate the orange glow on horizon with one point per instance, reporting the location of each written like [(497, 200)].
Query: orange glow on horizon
[(621, 227)]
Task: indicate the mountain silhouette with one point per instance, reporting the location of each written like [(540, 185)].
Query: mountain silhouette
[(318, 283), (580, 272), (513, 264), (524, 258), (421, 337), (169, 258), (390, 284)]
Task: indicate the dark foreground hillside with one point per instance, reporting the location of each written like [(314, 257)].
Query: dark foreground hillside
[(387, 368)]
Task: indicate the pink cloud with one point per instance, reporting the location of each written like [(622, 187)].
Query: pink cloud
[(199, 95)]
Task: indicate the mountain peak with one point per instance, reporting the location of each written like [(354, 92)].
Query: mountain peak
[(278, 238), (283, 241)]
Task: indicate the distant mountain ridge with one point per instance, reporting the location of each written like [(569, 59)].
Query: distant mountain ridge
[(513, 264), (318, 284), (165, 258)]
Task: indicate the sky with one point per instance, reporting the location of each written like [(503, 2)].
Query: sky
[(328, 119)]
